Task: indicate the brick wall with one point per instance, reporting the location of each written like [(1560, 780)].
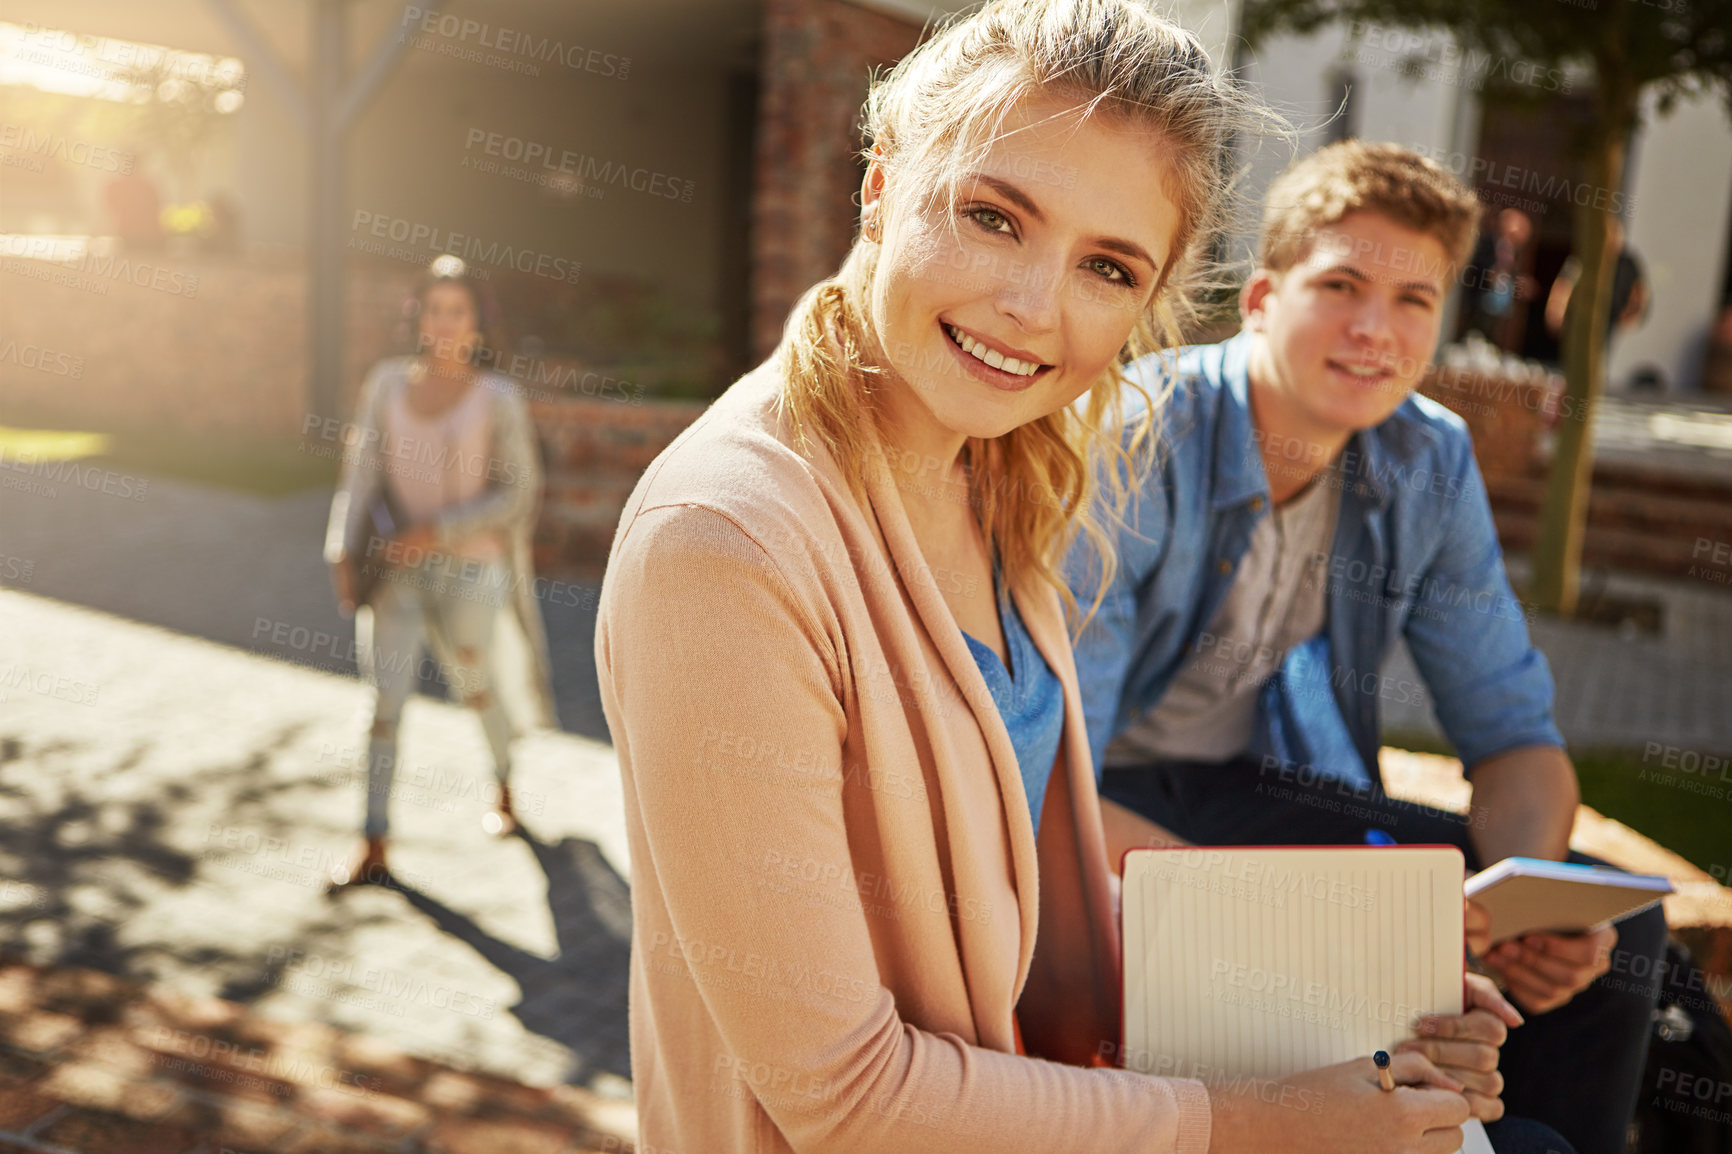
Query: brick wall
[(190, 342), (594, 452), (818, 55), (1642, 519), (1506, 414)]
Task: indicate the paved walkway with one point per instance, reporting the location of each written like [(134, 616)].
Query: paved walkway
[(1622, 687), (169, 808), (93, 1064), (1692, 435)]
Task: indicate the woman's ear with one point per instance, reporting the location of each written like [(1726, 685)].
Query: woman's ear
[(872, 199), (1254, 298)]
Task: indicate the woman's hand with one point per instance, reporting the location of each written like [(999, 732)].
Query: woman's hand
[(413, 543), (1465, 1046), (343, 583), (1341, 1110)]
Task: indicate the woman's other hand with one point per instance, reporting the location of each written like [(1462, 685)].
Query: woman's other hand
[(343, 583), (412, 544), (1465, 1046)]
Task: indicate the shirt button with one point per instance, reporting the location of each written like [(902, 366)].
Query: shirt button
[(1256, 504), (1225, 568)]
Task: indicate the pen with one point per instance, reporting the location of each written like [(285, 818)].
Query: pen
[(1384, 1077)]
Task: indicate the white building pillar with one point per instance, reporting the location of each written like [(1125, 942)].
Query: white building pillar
[(1680, 190)]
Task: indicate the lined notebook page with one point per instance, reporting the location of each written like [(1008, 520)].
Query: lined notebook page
[(1253, 962)]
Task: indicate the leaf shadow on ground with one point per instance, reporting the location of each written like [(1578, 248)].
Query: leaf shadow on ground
[(83, 854)]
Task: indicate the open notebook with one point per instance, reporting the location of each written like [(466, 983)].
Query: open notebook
[(1251, 962)]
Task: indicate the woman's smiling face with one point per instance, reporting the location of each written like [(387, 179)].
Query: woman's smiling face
[(1010, 310)]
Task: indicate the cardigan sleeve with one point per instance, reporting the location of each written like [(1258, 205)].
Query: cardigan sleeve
[(361, 474), (705, 645)]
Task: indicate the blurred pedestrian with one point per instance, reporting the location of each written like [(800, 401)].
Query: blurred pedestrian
[(134, 210), (1629, 304), (429, 536), (1499, 281)]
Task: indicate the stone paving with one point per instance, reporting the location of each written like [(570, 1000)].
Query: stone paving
[(172, 807), (1622, 687), (94, 1064)]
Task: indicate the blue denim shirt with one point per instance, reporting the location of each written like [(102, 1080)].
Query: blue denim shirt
[(1415, 554)]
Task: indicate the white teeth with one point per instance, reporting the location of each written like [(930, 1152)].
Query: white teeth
[(991, 356)]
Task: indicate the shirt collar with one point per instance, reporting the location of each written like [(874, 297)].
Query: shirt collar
[(1238, 474)]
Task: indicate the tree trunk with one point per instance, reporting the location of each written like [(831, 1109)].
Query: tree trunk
[(1564, 517)]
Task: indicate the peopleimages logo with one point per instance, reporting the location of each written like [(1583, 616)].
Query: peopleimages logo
[(508, 42), (594, 172), (425, 237), (52, 147), (43, 360)]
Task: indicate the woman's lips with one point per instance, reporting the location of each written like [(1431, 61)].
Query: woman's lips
[(981, 371)]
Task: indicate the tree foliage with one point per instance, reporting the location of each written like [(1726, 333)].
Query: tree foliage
[(1630, 51)]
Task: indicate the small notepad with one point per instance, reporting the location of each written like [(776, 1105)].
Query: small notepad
[(1265, 962), (1524, 895)]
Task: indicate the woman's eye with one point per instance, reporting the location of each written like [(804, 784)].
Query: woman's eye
[(1110, 270), (991, 219)]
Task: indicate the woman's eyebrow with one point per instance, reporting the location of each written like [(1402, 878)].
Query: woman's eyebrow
[(1013, 194), (1023, 201), (1128, 248)]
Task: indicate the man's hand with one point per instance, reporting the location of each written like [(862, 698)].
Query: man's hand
[(1476, 927), (1544, 971), (1465, 1046)]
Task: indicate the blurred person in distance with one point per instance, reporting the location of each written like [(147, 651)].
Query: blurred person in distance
[(1500, 280), (1627, 307), (429, 538)]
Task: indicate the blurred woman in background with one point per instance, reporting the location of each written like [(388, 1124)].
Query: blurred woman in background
[(429, 536)]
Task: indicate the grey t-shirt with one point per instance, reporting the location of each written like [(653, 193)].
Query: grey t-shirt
[(1276, 601)]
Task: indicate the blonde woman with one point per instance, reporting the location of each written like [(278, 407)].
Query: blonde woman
[(870, 893)]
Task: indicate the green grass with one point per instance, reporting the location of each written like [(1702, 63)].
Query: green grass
[(248, 463), (1649, 798)]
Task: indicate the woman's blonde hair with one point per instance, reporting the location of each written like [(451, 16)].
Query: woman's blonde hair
[(925, 123)]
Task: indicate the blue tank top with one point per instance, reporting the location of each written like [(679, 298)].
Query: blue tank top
[(1031, 702)]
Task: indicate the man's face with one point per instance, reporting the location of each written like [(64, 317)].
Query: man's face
[(1346, 333)]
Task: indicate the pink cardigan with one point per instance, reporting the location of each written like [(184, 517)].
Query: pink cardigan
[(835, 883)]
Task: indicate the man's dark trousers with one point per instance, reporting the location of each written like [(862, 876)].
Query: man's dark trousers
[(1577, 1069)]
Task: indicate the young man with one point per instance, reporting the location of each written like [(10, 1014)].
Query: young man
[(1305, 509)]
